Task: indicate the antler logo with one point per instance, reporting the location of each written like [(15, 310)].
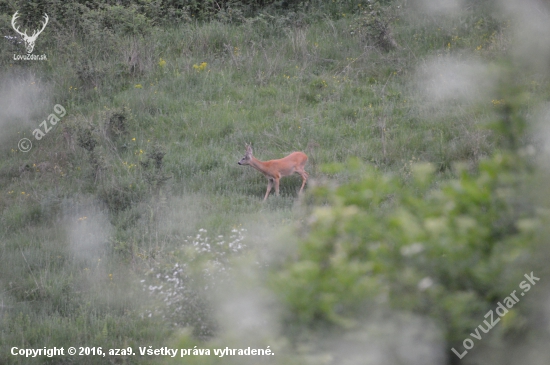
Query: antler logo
[(29, 40)]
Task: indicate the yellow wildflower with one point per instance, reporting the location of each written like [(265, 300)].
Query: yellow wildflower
[(200, 67)]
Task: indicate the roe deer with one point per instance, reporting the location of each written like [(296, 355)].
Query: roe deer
[(273, 170)]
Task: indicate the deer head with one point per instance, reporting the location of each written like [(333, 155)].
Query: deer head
[(29, 40), (247, 157)]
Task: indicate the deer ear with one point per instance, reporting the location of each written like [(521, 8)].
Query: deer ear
[(249, 149)]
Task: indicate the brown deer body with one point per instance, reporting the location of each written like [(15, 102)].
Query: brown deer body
[(274, 170)]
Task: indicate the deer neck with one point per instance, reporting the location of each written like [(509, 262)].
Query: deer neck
[(259, 165)]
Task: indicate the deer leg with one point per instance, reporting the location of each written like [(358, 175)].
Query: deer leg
[(276, 186), (269, 186), (304, 176)]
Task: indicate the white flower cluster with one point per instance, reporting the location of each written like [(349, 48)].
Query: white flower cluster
[(235, 243), (182, 289)]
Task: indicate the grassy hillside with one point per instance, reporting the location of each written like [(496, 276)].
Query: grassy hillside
[(136, 185)]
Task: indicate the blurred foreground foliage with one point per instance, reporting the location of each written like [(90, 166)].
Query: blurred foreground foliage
[(449, 250)]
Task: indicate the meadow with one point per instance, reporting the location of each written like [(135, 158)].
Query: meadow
[(130, 223)]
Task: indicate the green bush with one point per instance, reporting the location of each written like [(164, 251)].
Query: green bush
[(437, 252), (374, 25), (448, 251)]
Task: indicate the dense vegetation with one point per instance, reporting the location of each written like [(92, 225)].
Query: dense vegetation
[(129, 223)]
